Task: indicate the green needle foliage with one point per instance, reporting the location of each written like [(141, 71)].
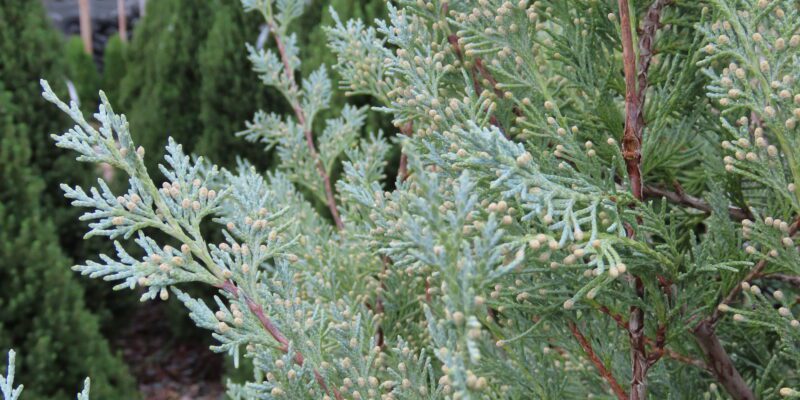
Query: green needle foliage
[(600, 201), (32, 49), (82, 72), (161, 85), (115, 65), (187, 60), (226, 92)]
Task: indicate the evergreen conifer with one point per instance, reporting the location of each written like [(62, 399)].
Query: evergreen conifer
[(563, 230), (30, 49), (115, 65), (81, 70), (43, 311)]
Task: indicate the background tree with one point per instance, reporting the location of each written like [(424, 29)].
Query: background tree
[(80, 69), (44, 315), (225, 88), (187, 59), (31, 48), (115, 66)]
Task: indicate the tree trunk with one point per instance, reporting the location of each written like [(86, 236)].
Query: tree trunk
[(85, 16), (122, 20)]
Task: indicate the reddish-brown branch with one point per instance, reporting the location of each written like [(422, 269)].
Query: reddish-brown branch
[(680, 197), (276, 334), (632, 136), (790, 279), (601, 368), (720, 363), (309, 135), (658, 347), (631, 152), (287, 69)]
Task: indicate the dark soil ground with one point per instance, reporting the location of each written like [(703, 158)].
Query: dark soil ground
[(166, 368)]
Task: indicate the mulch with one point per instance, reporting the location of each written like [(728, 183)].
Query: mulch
[(166, 368)]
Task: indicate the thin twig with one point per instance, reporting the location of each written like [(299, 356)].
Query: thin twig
[(790, 279), (601, 368), (680, 197), (756, 272), (309, 135), (276, 334), (718, 359)]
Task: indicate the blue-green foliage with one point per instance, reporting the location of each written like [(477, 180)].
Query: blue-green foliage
[(513, 251)]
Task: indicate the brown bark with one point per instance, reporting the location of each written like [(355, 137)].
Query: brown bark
[(601, 368), (679, 197), (632, 136), (623, 324), (720, 363), (639, 362), (631, 152)]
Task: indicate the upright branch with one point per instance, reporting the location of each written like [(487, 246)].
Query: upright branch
[(307, 130), (650, 25), (632, 136), (632, 153)]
